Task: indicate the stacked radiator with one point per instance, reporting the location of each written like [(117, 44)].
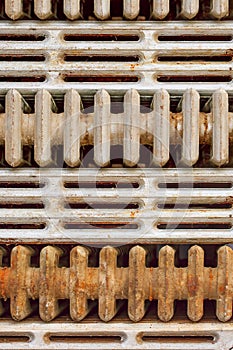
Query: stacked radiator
[(116, 191)]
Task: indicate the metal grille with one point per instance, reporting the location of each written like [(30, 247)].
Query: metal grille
[(108, 283), (106, 9), (145, 56), (116, 206), (157, 128), (116, 126)]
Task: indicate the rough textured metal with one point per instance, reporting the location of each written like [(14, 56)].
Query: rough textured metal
[(93, 206), (13, 128), (190, 8), (71, 9), (220, 148), (102, 9), (14, 9), (156, 335), (102, 128), (161, 124), (42, 129), (131, 138), (158, 127), (131, 9), (108, 283), (160, 9), (43, 9), (219, 8), (150, 46), (72, 134), (190, 144)]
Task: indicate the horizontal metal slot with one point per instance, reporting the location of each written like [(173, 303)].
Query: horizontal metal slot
[(178, 338), (195, 38), (21, 184), (5, 338), (226, 58), (96, 187), (21, 205), (100, 78), (88, 338), (99, 225), (196, 226), (22, 226), (101, 58), (101, 37), (194, 78), (83, 205), (195, 185), (22, 58), (22, 79), (194, 206), (100, 184), (21, 37)]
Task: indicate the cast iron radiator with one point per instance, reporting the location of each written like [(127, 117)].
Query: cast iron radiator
[(116, 190)]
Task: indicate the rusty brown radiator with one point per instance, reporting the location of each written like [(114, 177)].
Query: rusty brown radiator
[(51, 283)]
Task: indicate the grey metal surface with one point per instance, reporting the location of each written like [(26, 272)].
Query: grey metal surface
[(57, 74), (73, 9), (157, 127), (99, 190), (176, 335)]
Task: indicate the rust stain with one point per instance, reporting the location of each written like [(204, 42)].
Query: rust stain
[(49, 286), (193, 285)]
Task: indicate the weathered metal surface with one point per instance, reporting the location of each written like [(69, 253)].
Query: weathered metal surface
[(103, 129), (107, 283), (114, 56), (116, 206), (156, 335), (131, 9)]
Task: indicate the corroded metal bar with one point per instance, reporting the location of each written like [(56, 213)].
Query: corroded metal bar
[(107, 283)]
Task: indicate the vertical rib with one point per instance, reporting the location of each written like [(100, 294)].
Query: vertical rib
[(2, 253), (224, 284), (42, 131), (48, 303), (71, 9), (189, 8), (220, 139), (136, 293), (195, 283), (72, 128), (102, 9), (161, 121), (20, 262), (166, 292), (190, 109), (13, 128), (131, 8), (14, 8), (78, 283), (131, 143), (102, 128), (107, 283), (160, 9), (43, 8), (219, 8)]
